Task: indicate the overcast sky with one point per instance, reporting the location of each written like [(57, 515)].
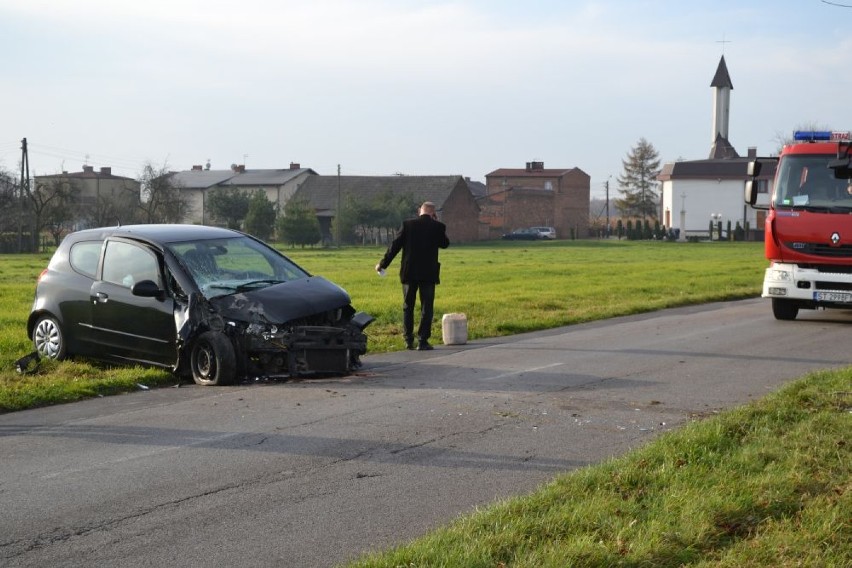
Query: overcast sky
[(418, 87)]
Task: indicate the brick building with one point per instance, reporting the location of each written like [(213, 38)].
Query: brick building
[(535, 196)]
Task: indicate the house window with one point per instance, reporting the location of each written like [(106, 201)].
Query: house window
[(548, 185)]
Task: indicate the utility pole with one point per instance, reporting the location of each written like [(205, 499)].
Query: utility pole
[(25, 168), (337, 213), (606, 184)]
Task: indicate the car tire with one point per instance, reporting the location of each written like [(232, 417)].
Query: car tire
[(784, 309), (48, 339), (212, 360)]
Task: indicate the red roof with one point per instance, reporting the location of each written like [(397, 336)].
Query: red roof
[(522, 172)]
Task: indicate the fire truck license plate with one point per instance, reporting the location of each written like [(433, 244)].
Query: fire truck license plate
[(839, 297)]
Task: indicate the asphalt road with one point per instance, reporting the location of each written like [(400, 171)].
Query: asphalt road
[(312, 473)]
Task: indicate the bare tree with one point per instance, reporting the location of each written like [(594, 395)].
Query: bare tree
[(161, 200), (9, 204), (53, 205), (59, 215)]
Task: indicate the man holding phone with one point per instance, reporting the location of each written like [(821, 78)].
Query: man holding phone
[(419, 239)]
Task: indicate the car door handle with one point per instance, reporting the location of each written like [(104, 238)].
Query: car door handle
[(101, 298)]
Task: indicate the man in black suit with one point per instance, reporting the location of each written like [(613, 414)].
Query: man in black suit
[(419, 239)]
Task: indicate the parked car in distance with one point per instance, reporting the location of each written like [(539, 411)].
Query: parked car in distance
[(214, 304), (546, 232), (523, 235)]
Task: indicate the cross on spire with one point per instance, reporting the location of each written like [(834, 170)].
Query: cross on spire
[(723, 41)]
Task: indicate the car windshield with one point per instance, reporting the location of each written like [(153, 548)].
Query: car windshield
[(226, 266), (806, 182)]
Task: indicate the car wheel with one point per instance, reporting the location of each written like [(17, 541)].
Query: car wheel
[(784, 309), (48, 339), (212, 360)]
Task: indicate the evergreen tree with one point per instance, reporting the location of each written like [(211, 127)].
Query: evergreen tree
[(229, 205), (344, 222), (638, 182), (260, 218), (299, 224)]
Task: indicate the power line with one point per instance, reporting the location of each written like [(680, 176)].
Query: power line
[(65, 153)]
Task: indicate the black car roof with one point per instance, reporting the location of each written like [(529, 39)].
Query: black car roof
[(156, 233)]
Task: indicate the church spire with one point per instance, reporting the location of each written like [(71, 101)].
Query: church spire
[(722, 88), (721, 79)]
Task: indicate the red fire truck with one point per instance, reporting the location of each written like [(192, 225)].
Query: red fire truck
[(808, 233)]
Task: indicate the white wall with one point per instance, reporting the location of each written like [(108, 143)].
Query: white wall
[(701, 198)]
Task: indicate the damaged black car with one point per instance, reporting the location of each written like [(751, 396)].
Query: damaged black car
[(214, 304)]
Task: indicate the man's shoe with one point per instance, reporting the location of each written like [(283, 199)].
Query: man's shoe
[(424, 346), (409, 344)]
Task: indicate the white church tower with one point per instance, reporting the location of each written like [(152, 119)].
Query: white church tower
[(722, 87)]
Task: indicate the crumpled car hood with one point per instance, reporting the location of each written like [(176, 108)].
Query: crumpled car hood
[(281, 303)]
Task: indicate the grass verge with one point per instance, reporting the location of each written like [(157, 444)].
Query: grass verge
[(764, 485)]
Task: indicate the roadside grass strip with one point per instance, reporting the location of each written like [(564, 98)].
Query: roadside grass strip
[(764, 485)]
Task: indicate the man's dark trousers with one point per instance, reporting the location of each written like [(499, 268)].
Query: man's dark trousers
[(427, 300)]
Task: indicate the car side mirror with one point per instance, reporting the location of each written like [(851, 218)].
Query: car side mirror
[(750, 192), (146, 289), (754, 168)]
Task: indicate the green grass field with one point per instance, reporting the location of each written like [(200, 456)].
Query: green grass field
[(764, 485), (503, 288)]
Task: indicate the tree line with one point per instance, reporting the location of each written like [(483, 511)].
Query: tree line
[(359, 221), (54, 205), (51, 206)]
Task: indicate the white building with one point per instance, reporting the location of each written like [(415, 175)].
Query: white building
[(696, 192), (196, 184)]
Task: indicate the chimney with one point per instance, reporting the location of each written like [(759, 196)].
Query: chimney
[(752, 152), (238, 169), (196, 168), (535, 166), (88, 169), (106, 171), (295, 166)]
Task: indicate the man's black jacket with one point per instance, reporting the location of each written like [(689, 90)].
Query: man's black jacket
[(419, 239)]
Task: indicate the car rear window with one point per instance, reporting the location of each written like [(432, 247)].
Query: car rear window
[(84, 257)]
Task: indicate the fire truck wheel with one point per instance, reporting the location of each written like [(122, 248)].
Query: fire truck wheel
[(784, 309)]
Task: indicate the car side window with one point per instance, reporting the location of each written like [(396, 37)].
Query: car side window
[(126, 264), (84, 256)]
